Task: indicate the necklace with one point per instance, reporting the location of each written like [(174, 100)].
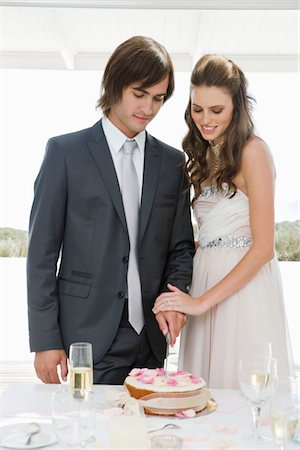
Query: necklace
[(214, 156)]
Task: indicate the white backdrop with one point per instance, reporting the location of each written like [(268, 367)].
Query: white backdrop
[(39, 104)]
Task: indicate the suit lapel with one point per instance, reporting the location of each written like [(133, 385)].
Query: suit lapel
[(151, 175), (100, 151)]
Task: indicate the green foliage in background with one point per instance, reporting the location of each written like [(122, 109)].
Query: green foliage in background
[(287, 240), (14, 243)]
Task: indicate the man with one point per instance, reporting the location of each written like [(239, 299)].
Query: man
[(110, 227)]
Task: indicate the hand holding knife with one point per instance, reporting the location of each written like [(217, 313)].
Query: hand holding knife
[(168, 340)]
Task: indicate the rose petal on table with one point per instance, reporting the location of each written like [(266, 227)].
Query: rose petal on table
[(222, 445), (189, 413), (225, 429), (113, 412)]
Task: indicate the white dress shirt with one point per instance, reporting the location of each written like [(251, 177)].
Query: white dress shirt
[(115, 139)]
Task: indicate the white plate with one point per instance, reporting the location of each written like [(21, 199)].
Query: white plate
[(14, 436)]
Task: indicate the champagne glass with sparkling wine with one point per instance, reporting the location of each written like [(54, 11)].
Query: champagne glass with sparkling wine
[(284, 409), (81, 366), (256, 376)]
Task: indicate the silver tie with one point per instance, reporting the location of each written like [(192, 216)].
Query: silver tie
[(130, 194)]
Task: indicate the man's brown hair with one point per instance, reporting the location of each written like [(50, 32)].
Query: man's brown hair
[(139, 59)]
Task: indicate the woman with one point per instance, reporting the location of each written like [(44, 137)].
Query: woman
[(236, 293)]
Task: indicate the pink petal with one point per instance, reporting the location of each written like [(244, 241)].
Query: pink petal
[(179, 372), (172, 382), (145, 380), (135, 372), (189, 413)]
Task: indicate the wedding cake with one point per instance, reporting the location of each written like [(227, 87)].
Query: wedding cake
[(167, 393)]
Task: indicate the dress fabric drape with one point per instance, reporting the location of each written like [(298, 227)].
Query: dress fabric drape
[(212, 344)]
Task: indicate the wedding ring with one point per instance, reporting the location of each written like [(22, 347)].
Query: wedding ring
[(169, 302)]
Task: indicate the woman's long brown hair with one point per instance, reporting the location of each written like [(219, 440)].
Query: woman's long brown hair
[(215, 70)]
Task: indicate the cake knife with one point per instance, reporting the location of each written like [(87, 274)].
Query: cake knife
[(168, 340)]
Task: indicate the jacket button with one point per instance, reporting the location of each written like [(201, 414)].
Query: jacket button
[(125, 259), (121, 294)]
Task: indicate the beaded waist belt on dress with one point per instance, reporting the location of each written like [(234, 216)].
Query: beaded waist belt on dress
[(240, 241)]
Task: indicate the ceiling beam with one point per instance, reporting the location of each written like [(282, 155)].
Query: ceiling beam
[(67, 53), (161, 4), (182, 62)]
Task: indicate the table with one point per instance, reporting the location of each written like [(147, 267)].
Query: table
[(222, 429)]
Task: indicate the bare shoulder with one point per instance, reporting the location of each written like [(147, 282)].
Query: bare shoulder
[(257, 152)]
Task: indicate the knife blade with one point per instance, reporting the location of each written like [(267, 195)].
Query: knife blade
[(168, 340)]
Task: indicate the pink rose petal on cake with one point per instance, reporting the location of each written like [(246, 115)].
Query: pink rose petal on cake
[(160, 372), (145, 380), (135, 372), (178, 373), (172, 382), (194, 379), (180, 415)]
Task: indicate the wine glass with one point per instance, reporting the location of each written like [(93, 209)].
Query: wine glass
[(284, 410), (261, 348), (256, 376), (73, 416), (81, 366)]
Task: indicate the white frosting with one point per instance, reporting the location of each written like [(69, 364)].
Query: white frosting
[(156, 380)]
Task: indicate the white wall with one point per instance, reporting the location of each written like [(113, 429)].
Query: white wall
[(39, 104)]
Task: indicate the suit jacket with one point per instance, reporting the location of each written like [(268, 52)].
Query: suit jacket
[(79, 246)]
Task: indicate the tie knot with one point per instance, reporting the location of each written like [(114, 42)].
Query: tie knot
[(129, 146)]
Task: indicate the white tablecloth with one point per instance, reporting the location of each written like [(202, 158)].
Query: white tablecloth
[(225, 428)]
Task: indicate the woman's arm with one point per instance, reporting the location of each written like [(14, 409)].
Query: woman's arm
[(257, 178)]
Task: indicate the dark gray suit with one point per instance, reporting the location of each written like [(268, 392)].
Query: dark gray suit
[(78, 218)]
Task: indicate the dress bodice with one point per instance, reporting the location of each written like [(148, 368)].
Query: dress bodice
[(219, 216)]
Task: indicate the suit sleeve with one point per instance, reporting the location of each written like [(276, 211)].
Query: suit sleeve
[(46, 229), (181, 246)]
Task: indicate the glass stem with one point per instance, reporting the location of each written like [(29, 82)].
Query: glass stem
[(256, 414)]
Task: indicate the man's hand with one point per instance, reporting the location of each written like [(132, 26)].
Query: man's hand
[(46, 362), (171, 322)]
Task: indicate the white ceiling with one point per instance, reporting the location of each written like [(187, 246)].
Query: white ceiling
[(83, 38)]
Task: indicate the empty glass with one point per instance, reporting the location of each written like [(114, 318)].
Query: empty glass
[(73, 415)]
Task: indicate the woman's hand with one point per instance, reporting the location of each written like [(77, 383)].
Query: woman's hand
[(176, 300)]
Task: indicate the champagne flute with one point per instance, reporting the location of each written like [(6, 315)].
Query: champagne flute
[(284, 410), (81, 366), (256, 376)]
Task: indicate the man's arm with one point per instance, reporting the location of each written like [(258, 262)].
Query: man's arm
[(46, 230), (180, 259)]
